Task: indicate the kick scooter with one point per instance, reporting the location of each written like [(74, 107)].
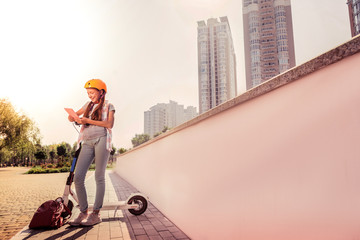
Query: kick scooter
[(136, 203)]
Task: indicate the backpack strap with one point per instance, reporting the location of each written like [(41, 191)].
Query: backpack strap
[(68, 211)]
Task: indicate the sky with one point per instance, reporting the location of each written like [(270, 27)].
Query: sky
[(145, 51)]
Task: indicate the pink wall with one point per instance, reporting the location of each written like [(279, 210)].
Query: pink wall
[(283, 165)]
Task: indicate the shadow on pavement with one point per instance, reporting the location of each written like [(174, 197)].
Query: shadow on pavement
[(67, 231)]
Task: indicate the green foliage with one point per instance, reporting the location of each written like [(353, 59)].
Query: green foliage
[(65, 169), (122, 150), (52, 154), (61, 151), (92, 166), (37, 170), (5, 155), (60, 164), (41, 154), (157, 134), (113, 151), (47, 169), (18, 135), (74, 148), (139, 139), (165, 129)]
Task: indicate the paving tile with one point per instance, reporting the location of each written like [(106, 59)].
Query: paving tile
[(146, 222), (180, 235), (139, 231), (160, 228), (151, 232), (115, 232), (104, 235), (165, 234), (149, 227), (136, 225), (93, 231), (142, 237), (155, 237), (91, 237), (169, 238), (173, 229)]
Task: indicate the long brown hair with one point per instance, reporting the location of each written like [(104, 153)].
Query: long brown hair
[(97, 113)]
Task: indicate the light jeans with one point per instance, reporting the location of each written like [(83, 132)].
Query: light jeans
[(94, 148)]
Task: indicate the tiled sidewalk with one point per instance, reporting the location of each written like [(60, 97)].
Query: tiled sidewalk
[(150, 225)]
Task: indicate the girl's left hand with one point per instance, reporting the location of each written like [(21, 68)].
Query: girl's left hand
[(84, 120)]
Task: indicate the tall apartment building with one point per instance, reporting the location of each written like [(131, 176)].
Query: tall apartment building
[(216, 63), (166, 115), (354, 14), (268, 39)]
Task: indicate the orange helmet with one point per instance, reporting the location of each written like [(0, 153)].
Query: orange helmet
[(96, 83)]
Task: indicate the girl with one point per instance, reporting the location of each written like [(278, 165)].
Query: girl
[(95, 135)]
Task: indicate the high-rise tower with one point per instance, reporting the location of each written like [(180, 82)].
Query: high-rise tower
[(268, 39), (216, 63), (354, 14)]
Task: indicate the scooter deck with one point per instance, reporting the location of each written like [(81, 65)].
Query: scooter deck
[(116, 206)]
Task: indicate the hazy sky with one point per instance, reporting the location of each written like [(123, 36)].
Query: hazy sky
[(145, 50)]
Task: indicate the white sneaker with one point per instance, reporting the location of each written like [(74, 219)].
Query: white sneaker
[(76, 222), (94, 218)]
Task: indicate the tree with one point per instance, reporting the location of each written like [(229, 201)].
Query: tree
[(73, 149), (140, 139), (18, 134), (52, 155), (8, 124), (52, 152), (63, 149), (14, 127), (122, 150), (41, 154)]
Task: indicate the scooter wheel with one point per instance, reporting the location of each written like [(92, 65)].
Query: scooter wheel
[(137, 199)]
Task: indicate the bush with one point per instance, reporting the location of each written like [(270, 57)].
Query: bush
[(40, 169), (92, 166), (110, 165), (34, 169), (60, 164), (65, 169)]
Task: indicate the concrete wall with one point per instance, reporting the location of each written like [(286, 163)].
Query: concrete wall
[(282, 161)]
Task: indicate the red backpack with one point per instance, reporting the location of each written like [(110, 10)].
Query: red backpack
[(51, 214)]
